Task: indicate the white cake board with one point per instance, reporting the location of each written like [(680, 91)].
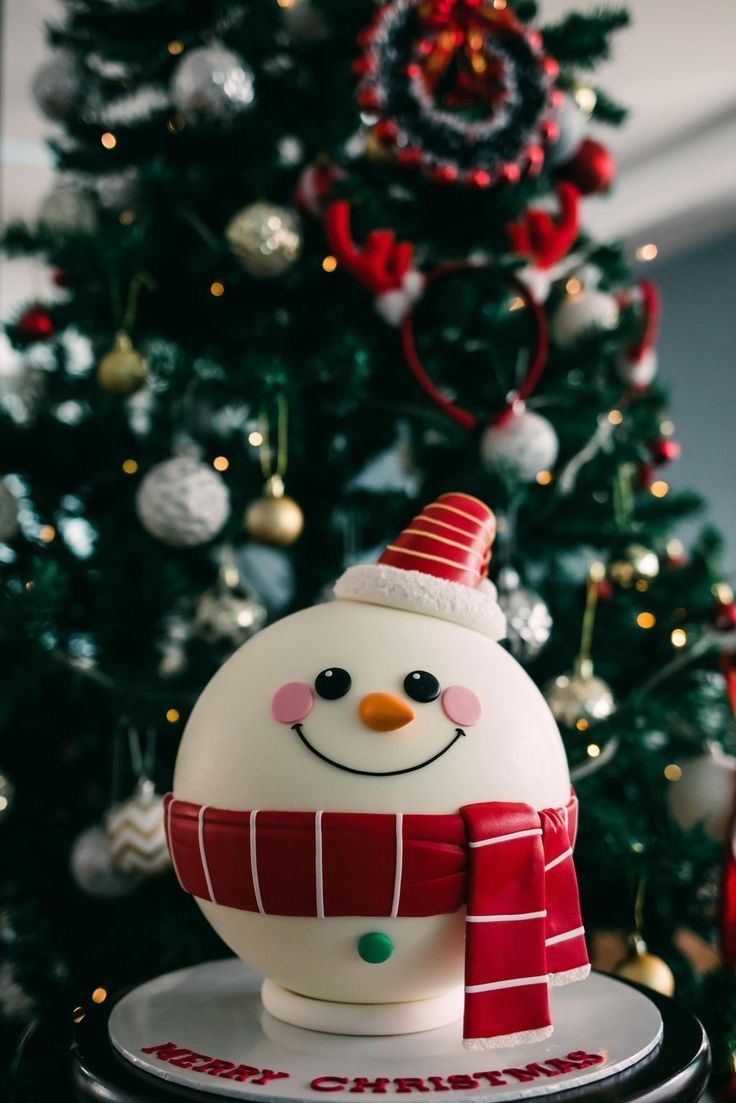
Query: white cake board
[(212, 1017)]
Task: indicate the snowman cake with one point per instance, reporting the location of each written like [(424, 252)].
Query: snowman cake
[(372, 805)]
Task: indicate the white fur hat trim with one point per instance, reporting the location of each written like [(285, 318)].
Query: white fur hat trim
[(416, 592)]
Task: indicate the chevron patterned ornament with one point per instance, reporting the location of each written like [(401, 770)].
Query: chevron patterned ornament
[(135, 830)]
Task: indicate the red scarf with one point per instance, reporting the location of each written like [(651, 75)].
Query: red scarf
[(508, 865)]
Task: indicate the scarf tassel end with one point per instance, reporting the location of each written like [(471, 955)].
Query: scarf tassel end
[(569, 976), (503, 1041)]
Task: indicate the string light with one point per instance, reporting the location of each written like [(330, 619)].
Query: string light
[(221, 463), (175, 124), (722, 592), (646, 620), (78, 1015), (647, 251), (615, 417), (641, 585), (582, 724), (329, 264), (285, 3), (173, 716), (217, 289), (659, 488), (47, 533), (129, 466), (517, 303), (678, 637), (586, 98), (108, 140), (499, 5), (255, 438), (544, 477), (672, 772), (675, 548), (126, 218), (667, 428), (3, 803), (593, 750), (175, 47), (99, 995), (29, 585), (573, 286)]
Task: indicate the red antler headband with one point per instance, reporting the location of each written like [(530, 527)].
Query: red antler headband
[(386, 268)]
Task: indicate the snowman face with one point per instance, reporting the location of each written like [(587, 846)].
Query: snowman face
[(354, 707)]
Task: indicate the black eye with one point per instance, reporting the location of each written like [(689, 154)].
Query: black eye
[(332, 683), (422, 686)]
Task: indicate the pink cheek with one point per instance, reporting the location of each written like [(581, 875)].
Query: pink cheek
[(461, 706), (292, 703)]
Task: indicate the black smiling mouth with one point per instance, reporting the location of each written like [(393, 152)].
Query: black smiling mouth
[(376, 773)]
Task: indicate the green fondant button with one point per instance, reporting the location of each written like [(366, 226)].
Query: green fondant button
[(375, 947)]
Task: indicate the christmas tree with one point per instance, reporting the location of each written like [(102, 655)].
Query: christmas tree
[(317, 263)]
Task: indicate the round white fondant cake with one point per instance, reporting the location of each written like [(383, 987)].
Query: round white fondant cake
[(372, 803)]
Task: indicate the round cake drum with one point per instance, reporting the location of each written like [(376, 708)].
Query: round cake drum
[(205, 1028)]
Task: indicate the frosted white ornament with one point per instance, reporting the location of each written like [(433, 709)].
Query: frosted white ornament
[(230, 615), (135, 832), (183, 502), (641, 370), (705, 791), (56, 86), (68, 209), (265, 238), (8, 513), (571, 121), (583, 312), (211, 82), (528, 620), (521, 446), (92, 868), (117, 189)]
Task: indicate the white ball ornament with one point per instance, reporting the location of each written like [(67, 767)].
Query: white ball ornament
[(183, 502), (92, 868), (581, 313), (56, 86), (571, 122), (8, 513), (212, 83), (704, 792), (136, 834), (265, 238), (520, 447)]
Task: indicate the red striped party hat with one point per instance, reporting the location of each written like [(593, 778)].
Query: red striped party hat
[(437, 566)]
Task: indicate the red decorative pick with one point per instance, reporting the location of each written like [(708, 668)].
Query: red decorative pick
[(540, 237), (728, 884), (35, 324), (381, 265)]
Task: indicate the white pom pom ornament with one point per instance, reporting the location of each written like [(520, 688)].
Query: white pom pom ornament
[(183, 502), (521, 446), (582, 312)]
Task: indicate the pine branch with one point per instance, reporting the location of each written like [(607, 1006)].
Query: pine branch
[(583, 40)]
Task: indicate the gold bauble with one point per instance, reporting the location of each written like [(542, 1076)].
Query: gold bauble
[(375, 149), (647, 969), (276, 521), (122, 370), (636, 562)]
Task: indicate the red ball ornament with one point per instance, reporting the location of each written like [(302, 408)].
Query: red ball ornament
[(35, 324), (665, 450), (724, 616), (592, 168)]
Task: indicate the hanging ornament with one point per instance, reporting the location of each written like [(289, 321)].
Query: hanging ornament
[(35, 324), (528, 620), (315, 185), (580, 698), (645, 968), (571, 123), (704, 792), (638, 364), (581, 312), (228, 613), (723, 613), (122, 370), (176, 631), (136, 834), (182, 501), (212, 83), (57, 87), (664, 450), (7, 793), (92, 868), (592, 168), (545, 240), (117, 190), (274, 519), (520, 446), (463, 91), (302, 22), (265, 238), (635, 562), (8, 513), (22, 390), (68, 209)]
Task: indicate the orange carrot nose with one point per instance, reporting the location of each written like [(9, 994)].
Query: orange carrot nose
[(384, 713)]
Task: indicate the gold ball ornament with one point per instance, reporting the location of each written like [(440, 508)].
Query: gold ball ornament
[(375, 149), (647, 969), (636, 562), (122, 371), (580, 698), (265, 238), (274, 519)]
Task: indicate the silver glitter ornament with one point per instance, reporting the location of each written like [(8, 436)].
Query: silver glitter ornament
[(210, 83), (579, 697), (636, 561), (528, 620), (92, 867), (228, 613), (172, 645), (117, 190), (265, 238), (8, 513), (56, 87), (22, 391), (520, 447), (68, 209), (135, 832), (183, 502)]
